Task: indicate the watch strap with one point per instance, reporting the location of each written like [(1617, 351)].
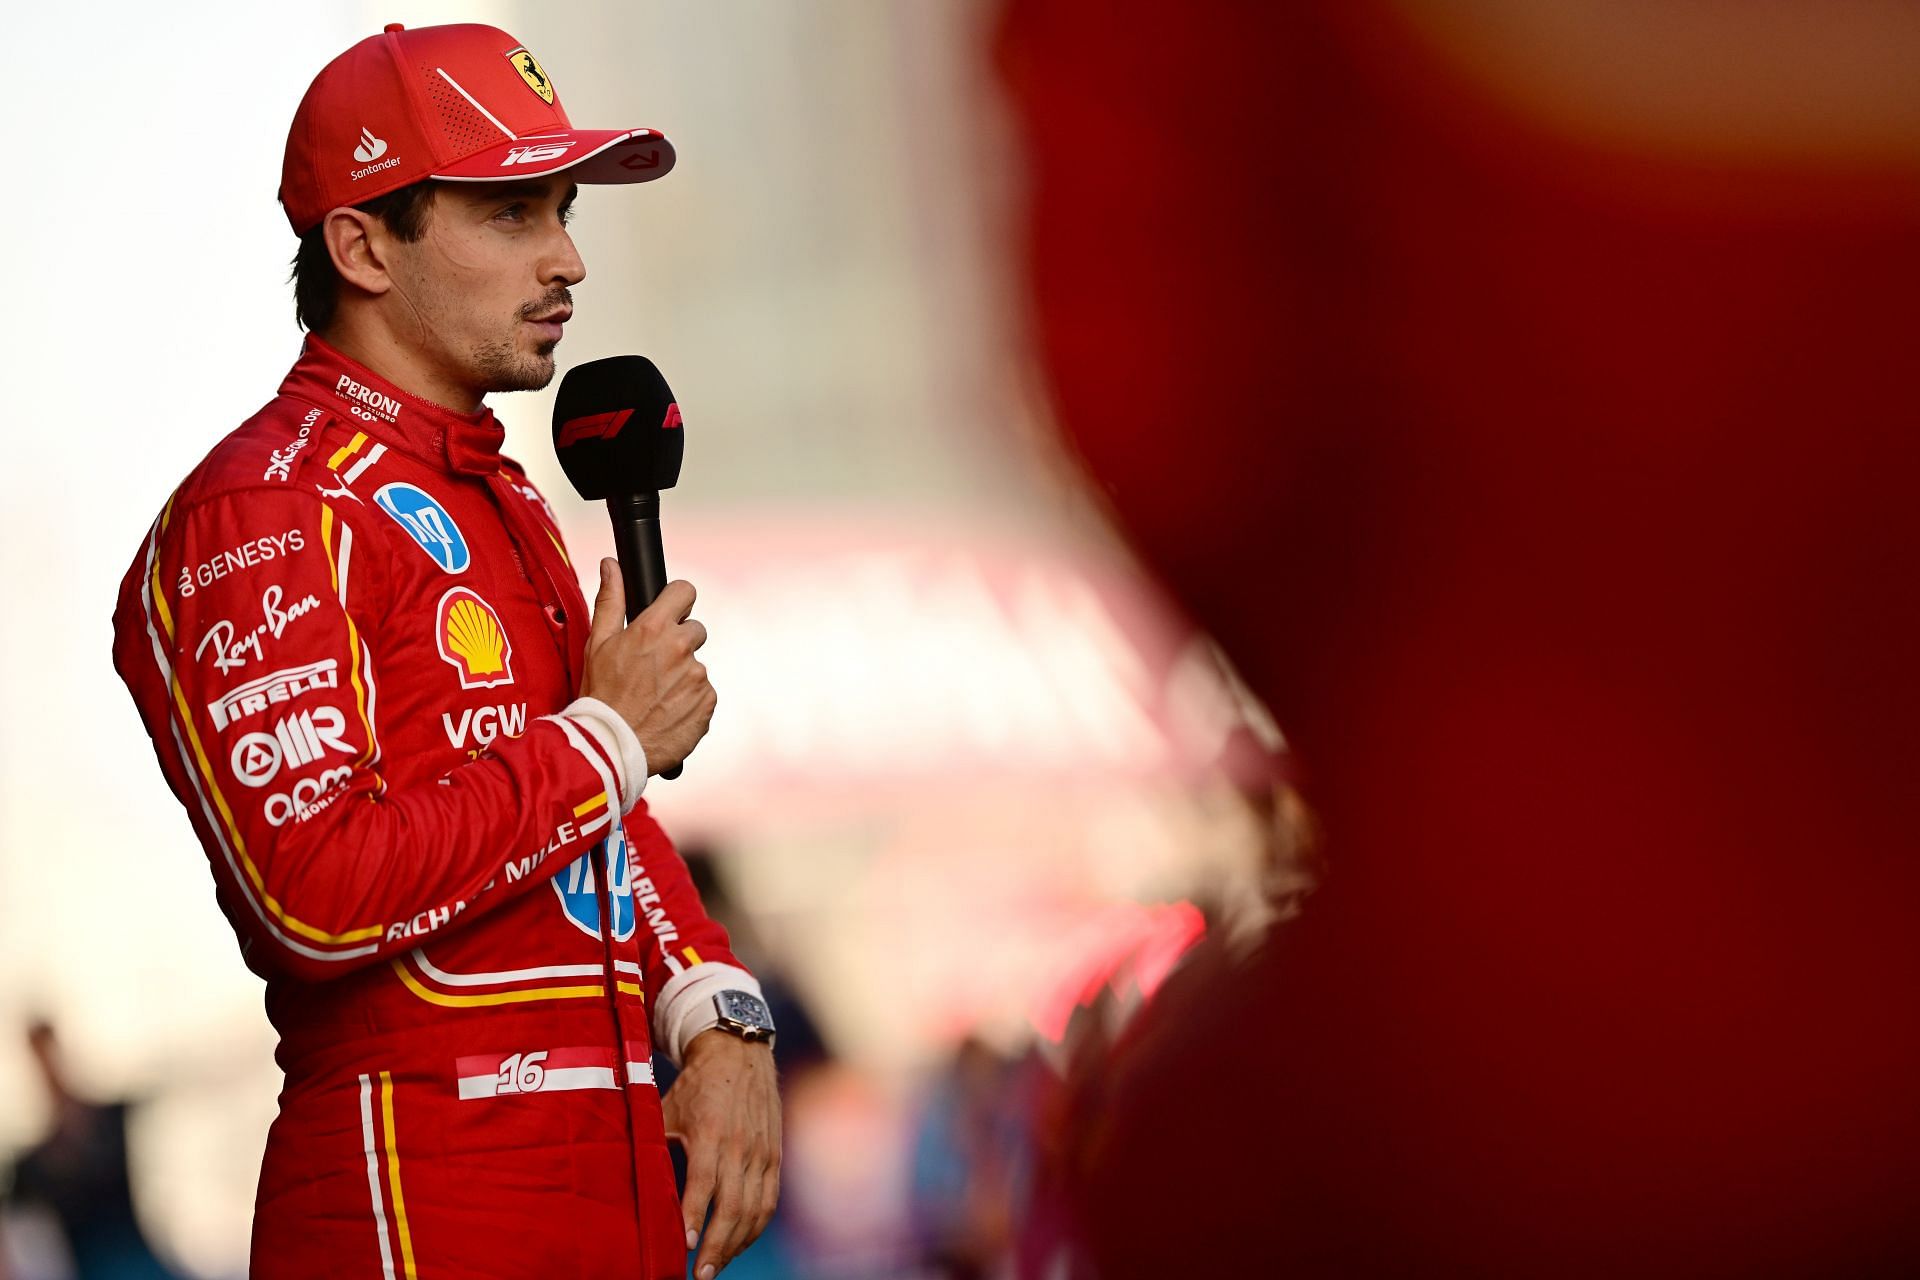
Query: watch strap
[(685, 1007)]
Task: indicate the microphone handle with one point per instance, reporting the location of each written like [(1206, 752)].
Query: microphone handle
[(636, 541), (643, 561)]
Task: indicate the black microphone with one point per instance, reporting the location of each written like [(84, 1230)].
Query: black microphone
[(617, 431)]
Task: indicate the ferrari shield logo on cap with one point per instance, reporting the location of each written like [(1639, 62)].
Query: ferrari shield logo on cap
[(533, 73)]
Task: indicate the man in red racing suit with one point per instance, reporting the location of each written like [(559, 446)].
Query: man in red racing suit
[(355, 645), (356, 640)]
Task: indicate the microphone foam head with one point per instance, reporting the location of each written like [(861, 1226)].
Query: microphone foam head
[(617, 429)]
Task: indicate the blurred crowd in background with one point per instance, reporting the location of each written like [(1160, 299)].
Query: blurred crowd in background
[(1511, 397)]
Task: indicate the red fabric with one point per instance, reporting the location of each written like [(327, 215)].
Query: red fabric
[(409, 838), (1559, 502), (465, 102)]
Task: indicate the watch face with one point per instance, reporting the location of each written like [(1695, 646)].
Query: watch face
[(745, 1008)]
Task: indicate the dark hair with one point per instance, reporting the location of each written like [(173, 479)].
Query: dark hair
[(316, 282)]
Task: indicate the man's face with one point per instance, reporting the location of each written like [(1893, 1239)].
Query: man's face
[(485, 291)]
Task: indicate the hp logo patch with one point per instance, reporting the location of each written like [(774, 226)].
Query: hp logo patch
[(577, 887), (427, 523)]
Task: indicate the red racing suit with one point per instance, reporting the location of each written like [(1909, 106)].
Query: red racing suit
[(355, 636)]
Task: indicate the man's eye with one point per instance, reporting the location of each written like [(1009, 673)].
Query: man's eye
[(513, 211), (566, 215)]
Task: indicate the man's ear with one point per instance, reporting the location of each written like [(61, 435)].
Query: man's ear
[(359, 245)]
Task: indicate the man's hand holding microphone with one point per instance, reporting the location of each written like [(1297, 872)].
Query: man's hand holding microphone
[(647, 671)]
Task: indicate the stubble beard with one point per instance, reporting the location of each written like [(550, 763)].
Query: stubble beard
[(502, 368)]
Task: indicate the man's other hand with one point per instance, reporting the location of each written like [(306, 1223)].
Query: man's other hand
[(724, 1108), (646, 671)]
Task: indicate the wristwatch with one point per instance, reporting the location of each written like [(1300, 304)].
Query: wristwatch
[(744, 1014)]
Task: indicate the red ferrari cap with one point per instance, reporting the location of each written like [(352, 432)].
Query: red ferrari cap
[(462, 104)]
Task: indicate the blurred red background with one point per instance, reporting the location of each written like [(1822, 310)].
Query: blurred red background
[(1546, 464)]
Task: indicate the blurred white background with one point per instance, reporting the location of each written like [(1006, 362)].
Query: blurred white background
[(957, 732)]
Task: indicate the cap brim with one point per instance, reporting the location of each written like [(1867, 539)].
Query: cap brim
[(592, 155)]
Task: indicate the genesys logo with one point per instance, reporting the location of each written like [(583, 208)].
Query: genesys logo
[(537, 152), (254, 551), (427, 523), (481, 725), (307, 797), (250, 699), (296, 741), (472, 641)]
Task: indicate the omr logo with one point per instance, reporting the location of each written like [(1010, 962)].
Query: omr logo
[(594, 426), (370, 148), (296, 741)]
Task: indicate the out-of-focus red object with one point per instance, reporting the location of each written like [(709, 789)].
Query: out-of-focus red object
[(1563, 501)]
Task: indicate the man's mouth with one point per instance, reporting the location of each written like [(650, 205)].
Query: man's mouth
[(548, 325)]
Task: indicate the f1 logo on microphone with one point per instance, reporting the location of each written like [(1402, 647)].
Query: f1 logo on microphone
[(605, 426), (595, 426)]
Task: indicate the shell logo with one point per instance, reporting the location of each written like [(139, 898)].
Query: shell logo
[(472, 641)]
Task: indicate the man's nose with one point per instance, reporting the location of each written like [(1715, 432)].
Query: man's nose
[(565, 267)]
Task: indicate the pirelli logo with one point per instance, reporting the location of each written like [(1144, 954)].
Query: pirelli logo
[(271, 690)]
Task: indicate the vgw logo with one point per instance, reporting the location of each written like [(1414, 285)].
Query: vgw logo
[(579, 895), (427, 523)]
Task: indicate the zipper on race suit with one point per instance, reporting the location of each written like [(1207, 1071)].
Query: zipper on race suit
[(523, 533), (603, 889)]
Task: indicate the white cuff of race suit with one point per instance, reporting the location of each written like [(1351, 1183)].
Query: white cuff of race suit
[(616, 738), (684, 1008)]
